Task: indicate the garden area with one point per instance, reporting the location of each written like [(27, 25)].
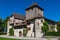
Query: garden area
[(50, 32)]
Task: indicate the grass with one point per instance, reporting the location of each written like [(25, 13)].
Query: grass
[(8, 39)]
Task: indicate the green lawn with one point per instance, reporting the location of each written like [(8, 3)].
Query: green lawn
[(8, 39)]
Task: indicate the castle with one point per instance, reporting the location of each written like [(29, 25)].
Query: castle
[(30, 24)]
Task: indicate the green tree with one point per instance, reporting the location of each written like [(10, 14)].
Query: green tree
[(11, 31), (1, 28), (0, 22), (5, 22), (58, 26), (45, 27), (52, 29), (4, 25)]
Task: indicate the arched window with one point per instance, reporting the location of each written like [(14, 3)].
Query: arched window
[(20, 33)]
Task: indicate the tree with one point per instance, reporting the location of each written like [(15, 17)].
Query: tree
[(58, 26), (45, 27), (11, 31), (5, 24), (58, 23), (1, 28), (0, 22)]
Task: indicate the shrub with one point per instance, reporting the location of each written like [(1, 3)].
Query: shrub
[(24, 32), (3, 33), (45, 27), (58, 28), (11, 32), (52, 34)]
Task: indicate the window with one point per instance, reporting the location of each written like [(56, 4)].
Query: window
[(38, 24), (20, 33), (28, 23), (41, 20), (28, 28), (38, 27)]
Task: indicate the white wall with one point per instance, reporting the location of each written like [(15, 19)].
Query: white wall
[(17, 21), (8, 27), (55, 28), (11, 20), (8, 24), (30, 32), (16, 32), (38, 30)]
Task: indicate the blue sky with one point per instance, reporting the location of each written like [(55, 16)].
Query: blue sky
[(51, 7)]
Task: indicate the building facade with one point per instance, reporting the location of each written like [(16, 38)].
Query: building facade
[(31, 23)]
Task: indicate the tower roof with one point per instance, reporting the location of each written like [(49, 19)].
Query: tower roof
[(34, 5)]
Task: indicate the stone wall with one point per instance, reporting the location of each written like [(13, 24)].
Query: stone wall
[(31, 13), (38, 25), (30, 32), (8, 28), (16, 32)]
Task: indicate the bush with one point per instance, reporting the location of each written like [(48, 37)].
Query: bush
[(58, 28), (45, 27), (3, 33), (11, 32), (52, 34), (24, 32)]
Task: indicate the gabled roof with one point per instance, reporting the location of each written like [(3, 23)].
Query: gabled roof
[(18, 16), (34, 5)]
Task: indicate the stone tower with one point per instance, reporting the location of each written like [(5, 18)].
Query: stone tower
[(34, 12)]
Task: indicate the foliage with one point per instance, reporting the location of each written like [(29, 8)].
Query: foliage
[(52, 29), (1, 27), (45, 27), (2, 33), (58, 27), (0, 22), (52, 34), (5, 22), (11, 31), (24, 32)]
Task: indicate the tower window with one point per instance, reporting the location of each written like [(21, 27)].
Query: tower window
[(41, 20), (38, 24)]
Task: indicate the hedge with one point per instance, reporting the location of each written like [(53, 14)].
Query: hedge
[(3, 33), (52, 34)]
